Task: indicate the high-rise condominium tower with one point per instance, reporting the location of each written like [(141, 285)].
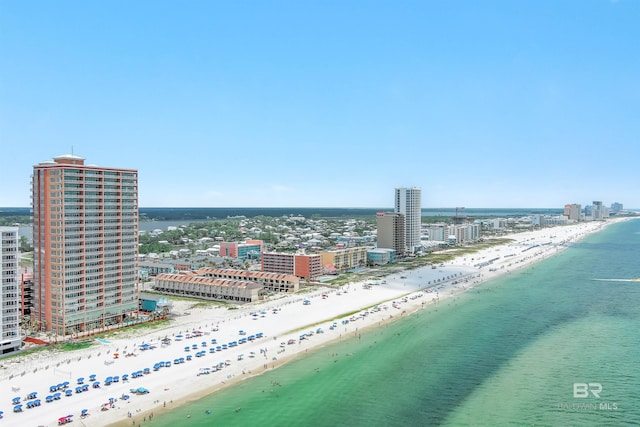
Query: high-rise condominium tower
[(85, 240), (408, 203), (391, 233), (10, 339)]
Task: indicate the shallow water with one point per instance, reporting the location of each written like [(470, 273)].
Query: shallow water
[(519, 350)]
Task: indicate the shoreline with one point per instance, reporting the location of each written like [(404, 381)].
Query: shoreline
[(185, 400), (180, 385)]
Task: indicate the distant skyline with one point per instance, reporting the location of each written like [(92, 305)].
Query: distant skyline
[(529, 104)]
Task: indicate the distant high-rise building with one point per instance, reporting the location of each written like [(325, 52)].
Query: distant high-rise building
[(616, 207), (573, 211), (10, 338), (408, 203), (391, 232), (85, 240), (598, 211)]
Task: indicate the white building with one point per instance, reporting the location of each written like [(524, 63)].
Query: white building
[(437, 232), (463, 233), (573, 211), (408, 203), (10, 338)]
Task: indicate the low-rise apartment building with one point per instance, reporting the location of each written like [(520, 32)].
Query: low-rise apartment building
[(300, 265), (274, 282), (345, 259), (190, 284)]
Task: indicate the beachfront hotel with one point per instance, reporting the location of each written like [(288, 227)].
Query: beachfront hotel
[(391, 233), (573, 212), (342, 260), (300, 265), (85, 240), (408, 203), (10, 339)]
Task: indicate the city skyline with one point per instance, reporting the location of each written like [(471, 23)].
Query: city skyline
[(491, 104)]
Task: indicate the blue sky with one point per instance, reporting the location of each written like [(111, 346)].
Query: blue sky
[(328, 103)]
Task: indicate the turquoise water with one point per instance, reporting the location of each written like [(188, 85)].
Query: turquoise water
[(506, 353)]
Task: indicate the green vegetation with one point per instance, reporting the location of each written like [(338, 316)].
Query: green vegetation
[(196, 302), (434, 258), (61, 346), (26, 352), (151, 325), (26, 259), (71, 345), (24, 245), (15, 219)]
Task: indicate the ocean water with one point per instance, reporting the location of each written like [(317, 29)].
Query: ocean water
[(544, 346)]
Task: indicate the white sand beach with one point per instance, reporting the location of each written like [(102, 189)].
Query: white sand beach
[(278, 321)]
